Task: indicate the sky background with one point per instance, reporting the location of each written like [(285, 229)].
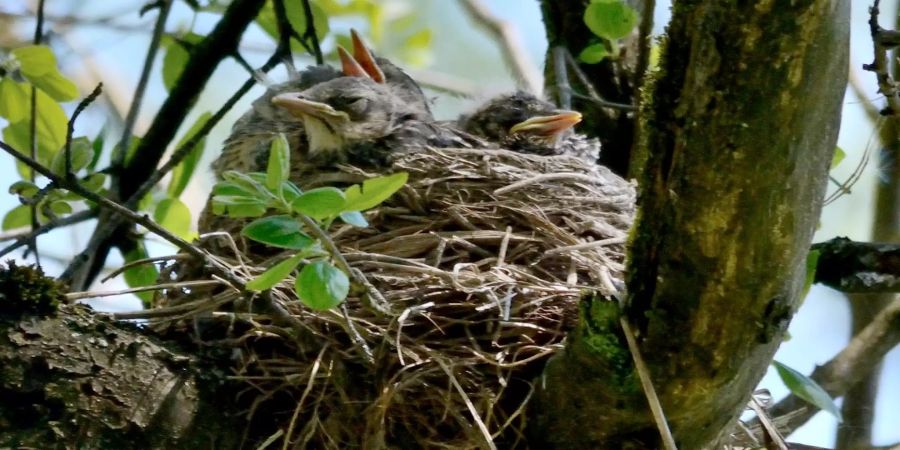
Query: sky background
[(114, 54)]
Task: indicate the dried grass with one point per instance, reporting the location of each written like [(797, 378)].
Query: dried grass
[(482, 259)]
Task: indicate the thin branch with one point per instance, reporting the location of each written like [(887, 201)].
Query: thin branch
[(864, 352), (506, 35), (562, 77), (856, 86), (879, 65), (593, 95), (131, 117), (27, 234), (310, 32), (71, 126), (38, 34)]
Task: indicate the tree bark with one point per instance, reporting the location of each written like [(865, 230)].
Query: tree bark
[(77, 380), (737, 137)]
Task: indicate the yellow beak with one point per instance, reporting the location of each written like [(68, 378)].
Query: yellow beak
[(547, 125)]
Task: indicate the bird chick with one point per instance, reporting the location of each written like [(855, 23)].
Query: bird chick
[(247, 148), (345, 118), (527, 124)]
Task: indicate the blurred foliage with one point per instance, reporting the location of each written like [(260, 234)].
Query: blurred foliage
[(609, 21)]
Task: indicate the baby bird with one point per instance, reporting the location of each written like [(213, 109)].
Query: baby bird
[(525, 123)]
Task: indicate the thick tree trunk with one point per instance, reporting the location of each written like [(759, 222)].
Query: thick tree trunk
[(737, 138)]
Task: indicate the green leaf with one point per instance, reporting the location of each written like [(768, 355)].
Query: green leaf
[(24, 189), (174, 216), (807, 389), (290, 191), (38, 65), (322, 286), (50, 128), (253, 185), (237, 206), (610, 19), (279, 168), (14, 100), (182, 173), (94, 182), (60, 207), (320, 203), (140, 275), (373, 191), (355, 218), (594, 53), (278, 231), (97, 146), (839, 155), (176, 57), (274, 274), (81, 155), (20, 216)]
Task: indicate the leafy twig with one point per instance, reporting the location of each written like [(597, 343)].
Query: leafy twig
[(38, 34), (29, 234), (71, 126)]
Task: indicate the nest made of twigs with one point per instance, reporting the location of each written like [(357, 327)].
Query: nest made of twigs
[(480, 259)]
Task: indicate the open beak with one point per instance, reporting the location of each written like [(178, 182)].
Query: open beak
[(547, 125), (349, 66), (364, 57), (299, 107)]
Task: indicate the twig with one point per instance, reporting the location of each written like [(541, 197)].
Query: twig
[(72, 296), (140, 262), (858, 267), (32, 233), (864, 352), (857, 87), (593, 96), (586, 246), (71, 126), (545, 177), (310, 32), (118, 158), (879, 64), (510, 43), (562, 77)]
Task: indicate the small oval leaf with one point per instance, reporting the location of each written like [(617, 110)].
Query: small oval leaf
[(322, 286), (319, 203), (804, 387), (173, 215), (279, 167), (274, 274), (373, 191), (610, 19), (355, 218), (20, 216), (278, 231)]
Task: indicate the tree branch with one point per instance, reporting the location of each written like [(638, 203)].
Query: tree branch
[(524, 70), (858, 267)]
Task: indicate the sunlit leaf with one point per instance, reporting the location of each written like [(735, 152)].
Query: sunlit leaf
[(320, 203), (38, 65), (373, 191), (23, 188), (237, 206), (594, 53), (60, 207), (839, 155), (322, 286), (173, 215), (14, 100), (279, 167), (182, 173), (20, 216), (278, 231), (50, 127), (94, 182), (81, 154), (274, 274), (807, 389), (140, 275), (176, 57), (610, 19)]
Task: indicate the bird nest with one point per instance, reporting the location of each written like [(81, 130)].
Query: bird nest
[(474, 270)]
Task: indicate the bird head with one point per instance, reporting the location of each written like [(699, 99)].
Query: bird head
[(344, 111), (521, 117)]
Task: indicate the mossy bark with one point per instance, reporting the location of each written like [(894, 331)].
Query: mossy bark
[(737, 134)]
